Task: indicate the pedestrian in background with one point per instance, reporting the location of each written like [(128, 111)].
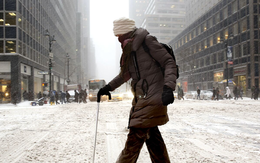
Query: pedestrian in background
[(217, 93), (198, 93), (76, 96), (256, 93), (153, 90), (214, 94), (235, 92), (62, 97), (252, 92), (67, 96), (85, 94), (228, 93)]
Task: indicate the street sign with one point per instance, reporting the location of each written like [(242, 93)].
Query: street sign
[(43, 72)]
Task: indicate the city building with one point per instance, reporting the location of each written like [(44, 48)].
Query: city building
[(164, 19), (196, 8), (137, 9), (220, 48), (26, 52)]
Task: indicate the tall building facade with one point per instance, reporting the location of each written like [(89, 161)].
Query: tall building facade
[(221, 48), (164, 19), (137, 10), (196, 8), (87, 53), (24, 48)]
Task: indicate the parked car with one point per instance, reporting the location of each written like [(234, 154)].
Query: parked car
[(190, 95), (116, 95), (206, 95)]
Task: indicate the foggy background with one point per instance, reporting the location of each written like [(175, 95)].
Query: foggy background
[(107, 47)]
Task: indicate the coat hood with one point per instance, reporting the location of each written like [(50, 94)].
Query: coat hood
[(139, 37)]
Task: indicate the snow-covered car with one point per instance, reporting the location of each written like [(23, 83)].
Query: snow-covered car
[(72, 95), (116, 95), (206, 95), (127, 95), (190, 95)]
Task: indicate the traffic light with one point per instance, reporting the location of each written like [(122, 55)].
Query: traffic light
[(44, 84)]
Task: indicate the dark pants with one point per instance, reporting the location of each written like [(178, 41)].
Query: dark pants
[(135, 140)]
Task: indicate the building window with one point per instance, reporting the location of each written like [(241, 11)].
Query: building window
[(10, 32), (243, 25), (235, 52), (225, 13), (1, 32), (10, 46), (10, 18), (198, 30), (1, 18), (210, 22), (205, 44), (204, 26), (235, 29), (1, 5), (1, 46), (199, 46), (217, 18), (234, 7), (218, 38), (10, 5), (211, 41), (242, 3), (226, 34), (194, 31)]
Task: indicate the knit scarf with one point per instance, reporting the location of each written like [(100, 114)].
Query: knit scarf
[(126, 45)]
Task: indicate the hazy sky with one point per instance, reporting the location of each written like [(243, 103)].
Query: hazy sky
[(102, 15)]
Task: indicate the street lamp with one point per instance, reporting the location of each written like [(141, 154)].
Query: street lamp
[(228, 51), (51, 41), (68, 79)]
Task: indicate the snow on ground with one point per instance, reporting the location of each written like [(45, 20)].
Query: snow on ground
[(198, 131)]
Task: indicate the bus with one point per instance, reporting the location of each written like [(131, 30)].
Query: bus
[(94, 86)]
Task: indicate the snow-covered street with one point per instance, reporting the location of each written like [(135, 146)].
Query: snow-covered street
[(198, 131)]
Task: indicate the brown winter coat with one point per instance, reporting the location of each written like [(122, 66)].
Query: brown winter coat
[(148, 110)]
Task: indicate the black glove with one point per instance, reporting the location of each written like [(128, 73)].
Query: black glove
[(104, 91), (167, 96)]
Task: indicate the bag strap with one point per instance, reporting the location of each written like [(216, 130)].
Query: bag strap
[(147, 50)]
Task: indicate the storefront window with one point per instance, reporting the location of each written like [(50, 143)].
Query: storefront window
[(10, 18), (218, 76), (10, 46), (5, 90)]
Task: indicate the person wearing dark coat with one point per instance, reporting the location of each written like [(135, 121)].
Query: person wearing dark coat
[(214, 93), (85, 94), (235, 92), (62, 97), (217, 93), (252, 92), (67, 96), (25, 95), (198, 93), (76, 96), (56, 97), (153, 90), (256, 93)]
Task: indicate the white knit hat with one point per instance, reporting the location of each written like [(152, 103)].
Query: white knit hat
[(123, 26)]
